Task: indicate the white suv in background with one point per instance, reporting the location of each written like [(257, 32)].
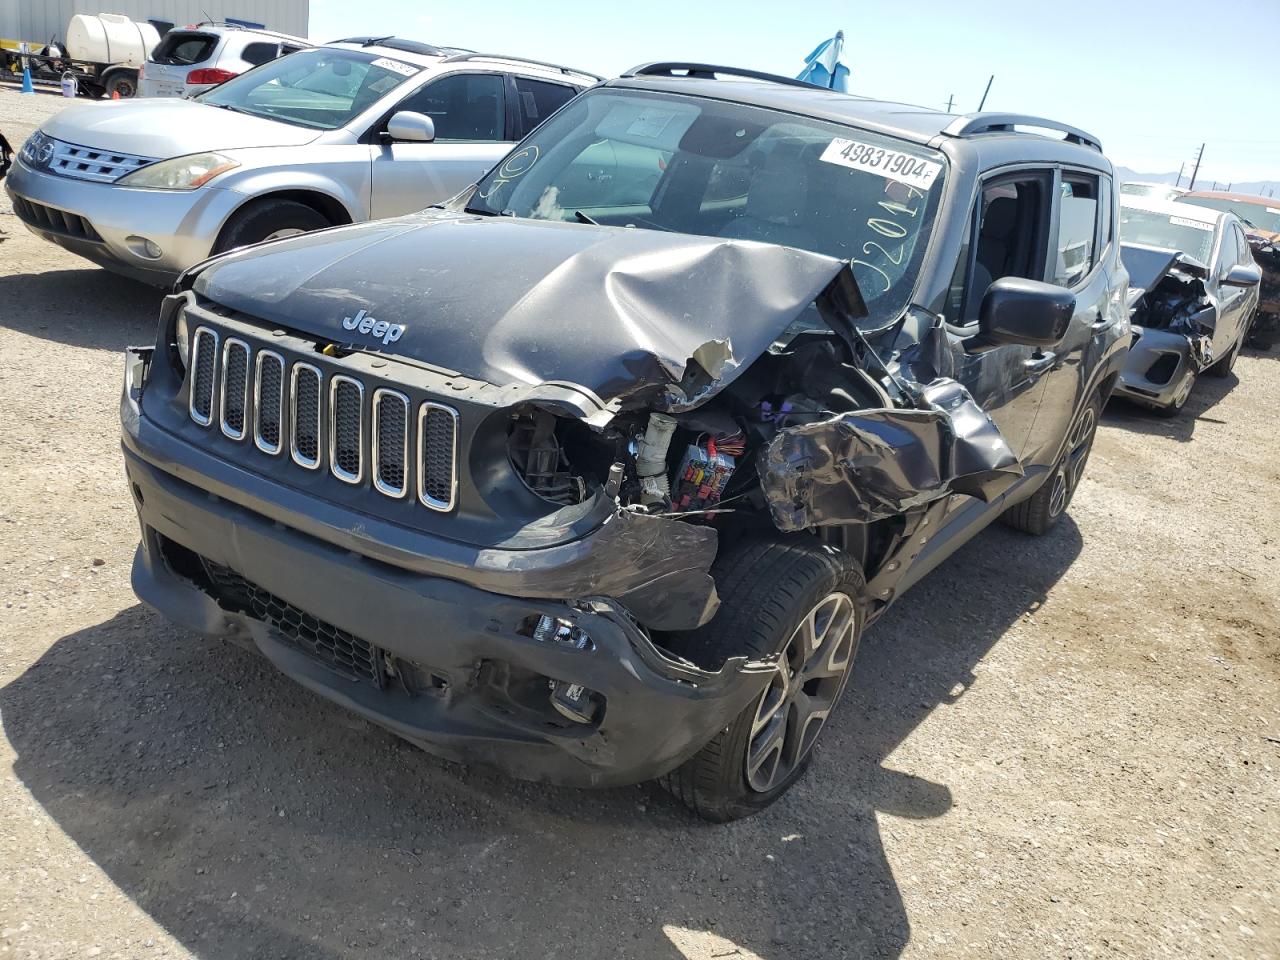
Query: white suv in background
[(192, 60)]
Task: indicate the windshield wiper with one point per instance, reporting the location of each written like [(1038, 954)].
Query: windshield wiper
[(583, 218), (374, 41)]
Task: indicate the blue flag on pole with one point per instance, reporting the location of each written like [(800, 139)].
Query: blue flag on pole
[(823, 67)]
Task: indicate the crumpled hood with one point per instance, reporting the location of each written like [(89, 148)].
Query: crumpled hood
[(610, 310), (164, 128), (1148, 265)]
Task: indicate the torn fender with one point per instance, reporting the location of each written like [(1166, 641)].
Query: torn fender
[(874, 464)]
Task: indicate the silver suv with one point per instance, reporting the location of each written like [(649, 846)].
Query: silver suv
[(354, 130), (188, 62)]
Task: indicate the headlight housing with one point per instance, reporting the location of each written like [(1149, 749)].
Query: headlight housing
[(180, 173), (182, 337), (38, 150)]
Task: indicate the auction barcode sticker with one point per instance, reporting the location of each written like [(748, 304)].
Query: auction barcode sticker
[(1198, 224), (890, 164)]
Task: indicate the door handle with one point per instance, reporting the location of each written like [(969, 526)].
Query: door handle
[(1040, 363)]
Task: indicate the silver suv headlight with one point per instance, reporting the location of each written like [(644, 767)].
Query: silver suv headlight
[(180, 173), (38, 150)]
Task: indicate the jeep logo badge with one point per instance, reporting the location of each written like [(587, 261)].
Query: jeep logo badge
[(388, 333)]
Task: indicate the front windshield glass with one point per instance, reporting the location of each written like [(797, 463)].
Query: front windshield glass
[(706, 167), (1190, 236), (1257, 215), (323, 88)]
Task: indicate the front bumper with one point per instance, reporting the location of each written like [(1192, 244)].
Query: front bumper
[(1157, 367), (654, 711), (183, 223)]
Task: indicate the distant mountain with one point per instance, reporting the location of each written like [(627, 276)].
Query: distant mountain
[(1259, 187)]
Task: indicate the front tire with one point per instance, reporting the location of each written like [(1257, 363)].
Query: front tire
[(268, 220), (805, 602), (1038, 514)]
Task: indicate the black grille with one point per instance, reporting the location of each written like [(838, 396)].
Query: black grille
[(437, 430), (270, 395), (287, 401), (306, 415), (204, 357), (345, 412), (54, 220), (235, 387), (391, 432), (344, 652)]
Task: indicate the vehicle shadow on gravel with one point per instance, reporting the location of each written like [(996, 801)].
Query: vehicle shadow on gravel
[(89, 308), (1208, 392), (251, 818)]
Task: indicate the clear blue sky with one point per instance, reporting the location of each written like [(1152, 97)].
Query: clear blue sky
[(1152, 80)]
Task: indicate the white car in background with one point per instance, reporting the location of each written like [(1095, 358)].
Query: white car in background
[(354, 130), (192, 60)]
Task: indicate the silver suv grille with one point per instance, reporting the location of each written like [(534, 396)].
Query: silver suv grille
[(89, 163), (333, 424)]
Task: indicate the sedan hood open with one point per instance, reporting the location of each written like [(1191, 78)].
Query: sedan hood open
[(610, 313), (164, 128)]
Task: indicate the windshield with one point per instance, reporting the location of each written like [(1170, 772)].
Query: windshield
[(1165, 230), (1259, 215), (686, 165), (323, 88)]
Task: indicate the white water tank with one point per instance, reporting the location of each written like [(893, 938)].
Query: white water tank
[(110, 38)]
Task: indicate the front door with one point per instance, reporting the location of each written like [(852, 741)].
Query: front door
[(1233, 302), (1010, 221), (470, 115)]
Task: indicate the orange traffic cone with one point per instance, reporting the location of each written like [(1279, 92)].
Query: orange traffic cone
[(115, 94)]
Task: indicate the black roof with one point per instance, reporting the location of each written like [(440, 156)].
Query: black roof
[(906, 121)]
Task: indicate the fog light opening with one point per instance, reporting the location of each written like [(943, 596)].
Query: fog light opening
[(547, 629), (575, 702), (144, 248)]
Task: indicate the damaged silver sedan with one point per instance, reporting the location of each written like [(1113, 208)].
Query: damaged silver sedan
[(1193, 291), (599, 473)]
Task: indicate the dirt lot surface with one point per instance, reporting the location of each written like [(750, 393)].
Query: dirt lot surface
[(1065, 747)]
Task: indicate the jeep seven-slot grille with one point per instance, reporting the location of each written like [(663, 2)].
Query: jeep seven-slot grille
[(235, 387), (344, 652), (269, 400), (326, 422)]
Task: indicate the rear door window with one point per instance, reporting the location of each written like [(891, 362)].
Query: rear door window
[(259, 53), (182, 49), (1077, 229), (539, 99)]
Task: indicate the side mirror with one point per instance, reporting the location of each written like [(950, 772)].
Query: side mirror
[(412, 127), (1242, 275), (1028, 312)]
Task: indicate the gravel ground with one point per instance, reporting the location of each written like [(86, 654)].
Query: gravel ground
[(1064, 747)]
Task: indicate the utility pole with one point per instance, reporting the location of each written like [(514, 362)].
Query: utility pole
[(950, 100), (1229, 187), (1196, 169), (984, 94), (1180, 169)]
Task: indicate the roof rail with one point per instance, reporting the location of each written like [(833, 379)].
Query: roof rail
[(395, 43), (471, 55), (975, 123), (229, 25), (708, 71)]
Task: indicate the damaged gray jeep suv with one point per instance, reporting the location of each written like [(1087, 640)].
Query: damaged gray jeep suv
[(598, 473)]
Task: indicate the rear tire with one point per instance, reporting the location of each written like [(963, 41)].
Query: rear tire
[(265, 220), (1038, 513), (805, 601), (122, 82)]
